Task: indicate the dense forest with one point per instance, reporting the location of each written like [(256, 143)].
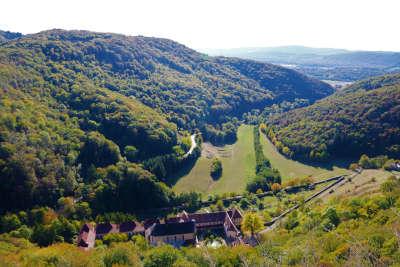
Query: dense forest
[(363, 118), (265, 176), (191, 89), (103, 118)]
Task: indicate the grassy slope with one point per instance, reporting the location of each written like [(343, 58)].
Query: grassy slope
[(368, 182), (293, 169), (238, 167)]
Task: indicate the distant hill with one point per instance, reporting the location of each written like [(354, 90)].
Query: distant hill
[(362, 118), (322, 63), (7, 35), (281, 54)]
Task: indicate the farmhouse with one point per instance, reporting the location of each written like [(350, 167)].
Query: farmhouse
[(130, 228), (227, 221), (177, 231), (176, 234), (209, 220)]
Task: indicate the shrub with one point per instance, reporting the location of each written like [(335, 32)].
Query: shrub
[(276, 187), (164, 256), (216, 168), (131, 153), (115, 237)]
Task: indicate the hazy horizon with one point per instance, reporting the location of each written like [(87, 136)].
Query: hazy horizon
[(352, 25), (292, 46)]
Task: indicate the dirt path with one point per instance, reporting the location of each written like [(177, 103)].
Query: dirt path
[(193, 145)]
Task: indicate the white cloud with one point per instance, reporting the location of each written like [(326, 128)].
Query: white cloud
[(353, 24)]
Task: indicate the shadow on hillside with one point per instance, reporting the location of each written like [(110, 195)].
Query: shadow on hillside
[(339, 163), (174, 178)]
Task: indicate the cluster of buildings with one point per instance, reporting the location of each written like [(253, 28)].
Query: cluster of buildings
[(182, 230)]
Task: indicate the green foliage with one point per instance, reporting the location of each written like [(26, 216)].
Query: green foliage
[(22, 232), (265, 175), (130, 153), (252, 223), (9, 222), (129, 188), (122, 255), (98, 151), (372, 163), (291, 221), (161, 256), (216, 168), (115, 237), (72, 101), (192, 200), (261, 161), (357, 120)]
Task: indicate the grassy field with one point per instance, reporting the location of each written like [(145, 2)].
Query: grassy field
[(238, 164), (367, 182), (292, 169)]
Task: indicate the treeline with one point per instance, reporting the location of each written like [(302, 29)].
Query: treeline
[(378, 162), (223, 134), (360, 119), (266, 176)]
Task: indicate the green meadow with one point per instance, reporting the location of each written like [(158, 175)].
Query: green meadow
[(290, 169), (238, 164)]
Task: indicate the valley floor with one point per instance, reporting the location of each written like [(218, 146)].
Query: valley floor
[(290, 169), (238, 164)]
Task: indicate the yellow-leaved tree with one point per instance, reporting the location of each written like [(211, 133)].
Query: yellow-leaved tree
[(252, 223)]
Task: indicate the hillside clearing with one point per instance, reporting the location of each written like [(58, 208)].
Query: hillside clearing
[(238, 164), (367, 182), (290, 169)]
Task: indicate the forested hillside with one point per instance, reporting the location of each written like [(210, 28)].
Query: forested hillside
[(96, 116), (363, 118), (7, 35), (61, 135), (192, 89)]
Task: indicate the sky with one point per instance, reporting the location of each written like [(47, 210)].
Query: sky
[(350, 24)]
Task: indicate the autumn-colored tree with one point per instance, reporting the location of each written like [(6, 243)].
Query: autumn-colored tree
[(353, 166), (252, 223), (276, 187), (263, 127)]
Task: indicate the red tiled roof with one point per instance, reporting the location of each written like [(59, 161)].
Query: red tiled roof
[(173, 229), (208, 217)]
